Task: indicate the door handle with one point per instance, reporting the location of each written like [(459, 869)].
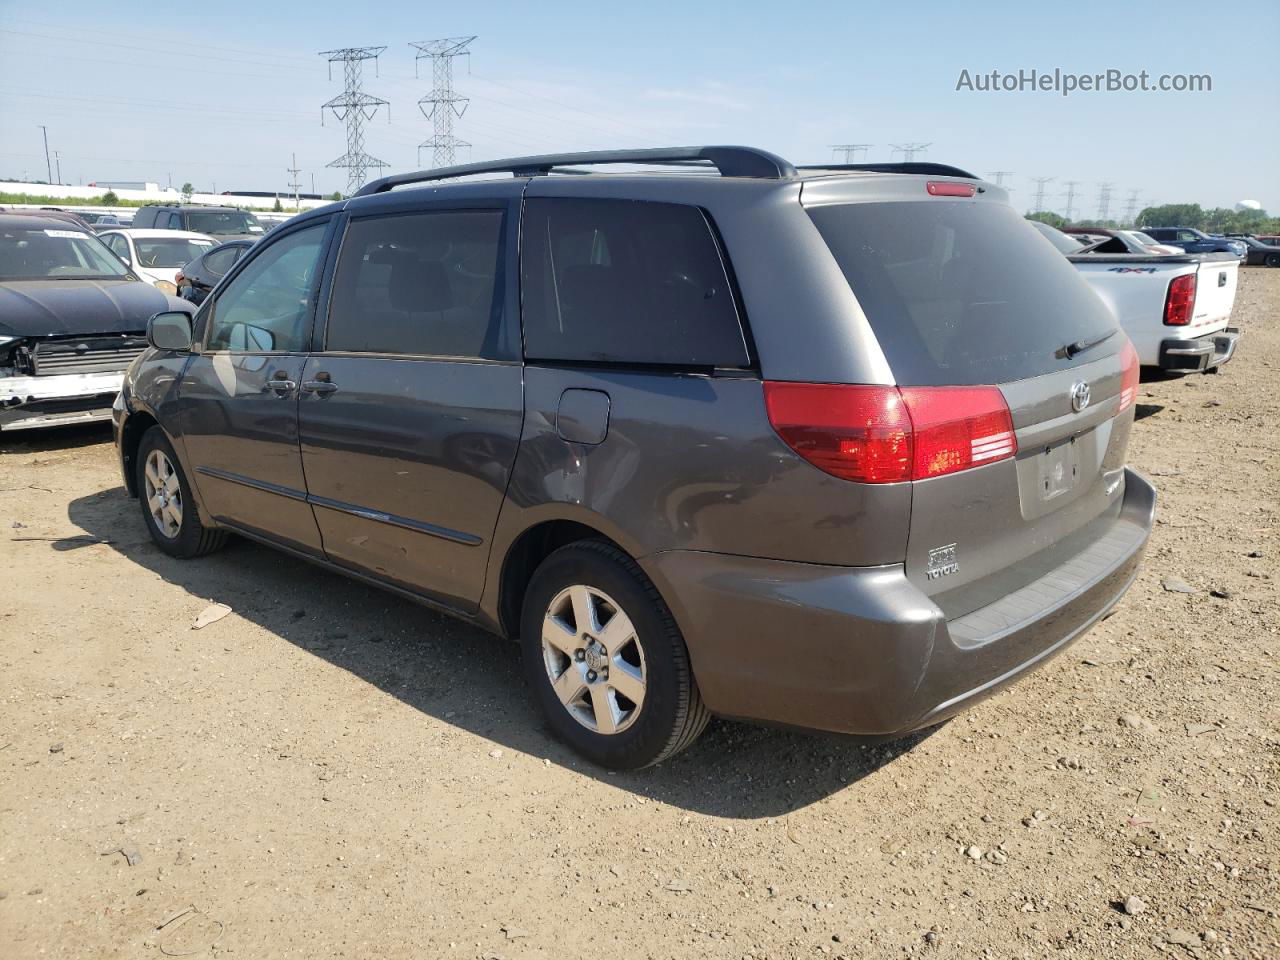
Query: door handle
[(320, 387), (280, 384)]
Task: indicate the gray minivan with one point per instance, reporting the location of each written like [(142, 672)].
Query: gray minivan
[(839, 448)]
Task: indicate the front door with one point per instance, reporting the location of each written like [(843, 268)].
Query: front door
[(240, 392), (411, 406)]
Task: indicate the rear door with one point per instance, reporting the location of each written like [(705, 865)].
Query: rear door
[(1215, 291), (411, 406), (963, 293), (240, 391)]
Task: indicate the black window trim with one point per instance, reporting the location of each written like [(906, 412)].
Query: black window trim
[(752, 366), (509, 241), (210, 304)]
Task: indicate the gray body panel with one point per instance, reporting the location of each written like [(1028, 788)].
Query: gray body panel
[(804, 599)]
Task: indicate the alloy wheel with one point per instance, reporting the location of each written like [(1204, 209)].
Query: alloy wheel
[(164, 494)]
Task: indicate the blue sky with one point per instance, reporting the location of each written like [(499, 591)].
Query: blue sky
[(224, 95)]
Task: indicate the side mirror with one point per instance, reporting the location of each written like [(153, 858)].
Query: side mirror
[(170, 330)]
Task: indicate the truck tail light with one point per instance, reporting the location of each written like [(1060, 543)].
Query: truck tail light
[(882, 434), (1180, 302), (1128, 376)]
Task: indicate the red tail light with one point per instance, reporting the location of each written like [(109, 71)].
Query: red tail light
[(1181, 300), (1128, 376), (891, 434), (945, 188)]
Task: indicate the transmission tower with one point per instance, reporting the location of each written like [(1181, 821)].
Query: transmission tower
[(851, 150), (442, 105), (355, 107), (1040, 185), (1104, 202), (909, 150), (1000, 176), (1071, 198), (1131, 207), (295, 170)]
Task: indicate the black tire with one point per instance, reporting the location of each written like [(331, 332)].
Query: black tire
[(1273, 259), (671, 715), (192, 538)]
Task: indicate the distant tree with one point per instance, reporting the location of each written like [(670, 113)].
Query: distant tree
[(1173, 215), (277, 208), (335, 195), (1049, 217), (110, 199), (187, 191)]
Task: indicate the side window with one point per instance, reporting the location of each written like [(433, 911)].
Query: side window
[(626, 281), (1186, 236), (220, 261), (119, 246), (175, 221), (267, 306), (424, 283)]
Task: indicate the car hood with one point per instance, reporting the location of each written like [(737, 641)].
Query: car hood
[(44, 308)]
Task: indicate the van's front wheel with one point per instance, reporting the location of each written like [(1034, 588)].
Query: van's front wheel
[(167, 506), (606, 660)]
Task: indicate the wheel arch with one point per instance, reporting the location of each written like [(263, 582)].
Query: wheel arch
[(137, 424)]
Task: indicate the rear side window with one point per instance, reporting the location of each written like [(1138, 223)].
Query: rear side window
[(627, 282), (424, 284), (961, 292), (220, 261)]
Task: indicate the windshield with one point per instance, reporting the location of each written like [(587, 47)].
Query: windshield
[(1065, 242), (1144, 238), (220, 223), (961, 292), (39, 253), (168, 251)]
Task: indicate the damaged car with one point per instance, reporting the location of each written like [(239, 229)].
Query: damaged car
[(72, 318)]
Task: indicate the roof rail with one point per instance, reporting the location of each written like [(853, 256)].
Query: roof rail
[(923, 168), (730, 161)]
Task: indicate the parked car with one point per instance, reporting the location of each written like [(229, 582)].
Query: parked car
[(1257, 252), (835, 449), (72, 317), (1109, 240), (202, 274), (97, 220), (1195, 241), (1176, 308), (156, 256), (223, 223)]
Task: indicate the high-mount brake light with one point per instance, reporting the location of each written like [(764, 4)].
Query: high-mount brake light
[(1128, 376), (945, 188), (1180, 303), (882, 434)]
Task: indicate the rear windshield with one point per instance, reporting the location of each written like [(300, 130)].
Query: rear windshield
[(166, 252), (962, 292), (220, 223), (41, 253)]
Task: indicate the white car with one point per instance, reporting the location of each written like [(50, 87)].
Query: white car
[(157, 256)]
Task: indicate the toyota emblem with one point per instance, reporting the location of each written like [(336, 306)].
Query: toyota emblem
[(1080, 396)]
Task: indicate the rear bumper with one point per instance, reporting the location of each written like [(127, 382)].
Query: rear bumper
[(27, 403), (1201, 353), (860, 650)]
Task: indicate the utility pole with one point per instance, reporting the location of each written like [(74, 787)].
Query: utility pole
[(851, 150), (355, 108), (909, 150), (313, 184), (444, 103), (1040, 184), (1104, 202), (1000, 176), (48, 165), (57, 162), (1131, 207), (1071, 198), (295, 171)]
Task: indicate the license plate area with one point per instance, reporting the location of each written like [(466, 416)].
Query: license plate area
[(1058, 469)]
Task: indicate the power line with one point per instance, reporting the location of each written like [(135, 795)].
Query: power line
[(1131, 207), (1000, 176), (355, 107), (851, 150), (1040, 185), (909, 150), (445, 105), (296, 186), (1104, 201), (45, 131), (1071, 198)]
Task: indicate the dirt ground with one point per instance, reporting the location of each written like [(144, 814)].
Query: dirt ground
[(333, 772)]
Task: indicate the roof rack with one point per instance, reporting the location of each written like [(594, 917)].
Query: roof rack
[(924, 169), (729, 161)]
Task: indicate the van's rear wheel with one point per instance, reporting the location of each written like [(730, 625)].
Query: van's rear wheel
[(167, 507), (605, 659)]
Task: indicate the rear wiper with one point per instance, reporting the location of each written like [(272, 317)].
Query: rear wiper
[(1080, 346)]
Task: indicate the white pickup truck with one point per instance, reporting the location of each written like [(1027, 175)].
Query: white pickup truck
[(1175, 308)]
